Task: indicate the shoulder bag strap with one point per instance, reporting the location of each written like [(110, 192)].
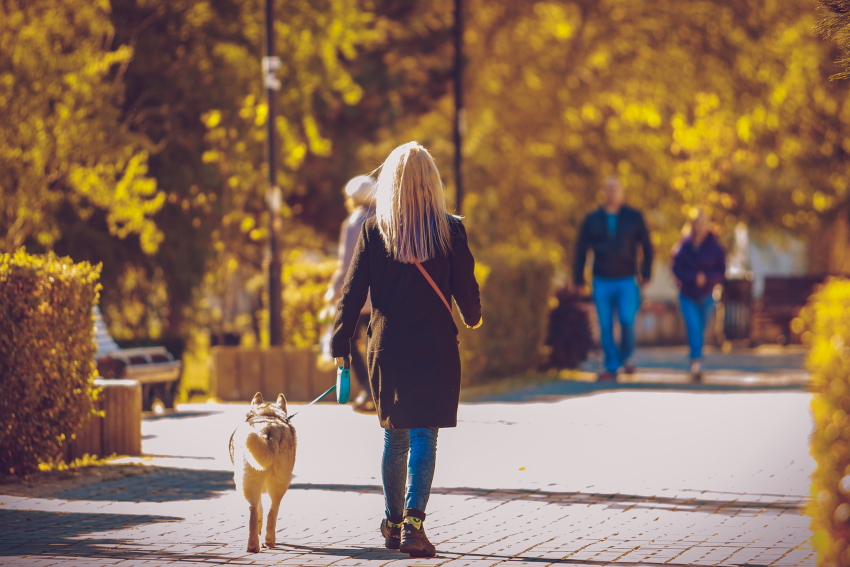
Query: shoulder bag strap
[(430, 281)]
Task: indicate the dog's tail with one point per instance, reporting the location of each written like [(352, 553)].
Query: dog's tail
[(231, 447)]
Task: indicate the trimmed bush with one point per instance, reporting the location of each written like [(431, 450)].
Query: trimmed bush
[(515, 290), (46, 356), (304, 287), (827, 330)]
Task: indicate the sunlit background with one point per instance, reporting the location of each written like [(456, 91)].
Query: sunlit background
[(134, 135)]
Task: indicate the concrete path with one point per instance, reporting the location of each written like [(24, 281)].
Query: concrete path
[(779, 364), (679, 476)]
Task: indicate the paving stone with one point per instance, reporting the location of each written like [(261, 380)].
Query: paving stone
[(191, 516)]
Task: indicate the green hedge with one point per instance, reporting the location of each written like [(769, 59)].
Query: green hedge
[(304, 287), (515, 290), (827, 330), (46, 356)]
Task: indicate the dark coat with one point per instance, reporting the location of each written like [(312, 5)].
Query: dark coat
[(613, 256), (689, 260), (414, 364)]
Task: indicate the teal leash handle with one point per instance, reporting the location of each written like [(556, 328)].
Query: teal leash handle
[(342, 386), (343, 382)]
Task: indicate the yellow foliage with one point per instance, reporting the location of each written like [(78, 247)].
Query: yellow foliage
[(63, 141), (721, 106), (829, 361)]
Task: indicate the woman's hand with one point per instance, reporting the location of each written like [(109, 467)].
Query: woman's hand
[(700, 279)]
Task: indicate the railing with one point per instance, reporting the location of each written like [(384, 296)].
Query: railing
[(238, 373)]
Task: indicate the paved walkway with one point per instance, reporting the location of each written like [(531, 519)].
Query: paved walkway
[(648, 477)]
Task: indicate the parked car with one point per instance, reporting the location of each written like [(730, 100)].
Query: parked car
[(154, 367)]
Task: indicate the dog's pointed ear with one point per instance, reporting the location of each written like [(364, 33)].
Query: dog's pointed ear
[(258, 399), (281, 402)]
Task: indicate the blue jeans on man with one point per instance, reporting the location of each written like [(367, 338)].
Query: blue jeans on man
[(696, 312), (623, 295)]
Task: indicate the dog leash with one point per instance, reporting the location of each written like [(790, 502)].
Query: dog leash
[(328, 391), (342, 381)]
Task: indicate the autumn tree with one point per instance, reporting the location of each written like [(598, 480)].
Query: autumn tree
[(347, 72), (717, 104), (62, 143)]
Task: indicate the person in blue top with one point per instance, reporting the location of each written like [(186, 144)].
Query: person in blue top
[(699, 264), (614, 232), (360, 201)]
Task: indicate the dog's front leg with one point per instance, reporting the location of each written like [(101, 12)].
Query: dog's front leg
[(271, 521)]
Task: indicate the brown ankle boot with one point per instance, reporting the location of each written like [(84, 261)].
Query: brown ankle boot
[(414, 542), (392, 534)]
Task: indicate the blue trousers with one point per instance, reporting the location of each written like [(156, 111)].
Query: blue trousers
[(409, 459), (624, 295), (696, 314)]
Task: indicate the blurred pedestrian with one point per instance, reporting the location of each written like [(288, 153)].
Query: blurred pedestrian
[(699, 264), (360, 201), (413, 257), (614, 231)]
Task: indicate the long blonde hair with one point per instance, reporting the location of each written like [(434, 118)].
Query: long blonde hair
[(411, 206)]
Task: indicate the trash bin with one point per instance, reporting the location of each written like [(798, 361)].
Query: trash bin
[(737, 301)]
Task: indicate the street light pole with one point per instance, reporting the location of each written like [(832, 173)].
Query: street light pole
[(270, 65), (460, 113)]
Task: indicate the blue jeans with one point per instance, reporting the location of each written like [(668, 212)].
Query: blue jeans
[(414, 473), (696, 314), (624, 295)]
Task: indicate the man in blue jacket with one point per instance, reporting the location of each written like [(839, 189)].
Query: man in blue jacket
[(614, 232)]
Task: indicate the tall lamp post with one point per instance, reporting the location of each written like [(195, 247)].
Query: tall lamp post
[(270, 65), (460, 113)]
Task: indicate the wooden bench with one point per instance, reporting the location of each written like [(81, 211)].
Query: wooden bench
[(782, 300), (153, 367)]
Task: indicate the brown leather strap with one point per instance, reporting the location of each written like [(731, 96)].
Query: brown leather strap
[(430, 281)]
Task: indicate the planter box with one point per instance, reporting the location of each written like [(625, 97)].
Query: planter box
[(119, 431), (238, 373)]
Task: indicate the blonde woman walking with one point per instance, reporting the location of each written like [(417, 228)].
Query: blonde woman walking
[(413, 257)]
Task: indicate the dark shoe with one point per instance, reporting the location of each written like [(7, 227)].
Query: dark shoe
[(392, 536), (415, 543), (607, 377), (696, 371), (629, 369)]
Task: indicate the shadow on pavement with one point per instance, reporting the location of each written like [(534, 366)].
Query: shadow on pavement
[(754, 503), (384, 555), (380, 554), (568, 388), (179, 414), (23, 533), (156, 485)]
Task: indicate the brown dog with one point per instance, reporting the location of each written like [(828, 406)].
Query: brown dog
[(262, 451)]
